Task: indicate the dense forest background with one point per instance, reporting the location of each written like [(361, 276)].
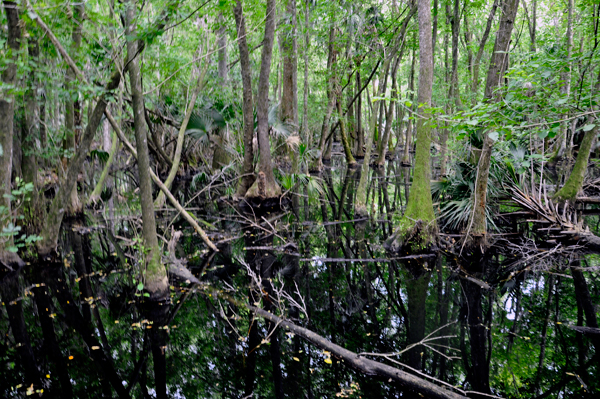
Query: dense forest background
[(236, 198)]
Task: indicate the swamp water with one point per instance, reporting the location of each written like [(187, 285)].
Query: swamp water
[(513, 324)]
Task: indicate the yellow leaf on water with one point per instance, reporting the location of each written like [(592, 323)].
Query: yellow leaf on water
[(296, 359), (95, 348), (328, 361)]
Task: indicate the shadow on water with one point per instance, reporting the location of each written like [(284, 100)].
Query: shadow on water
[(520, 322)]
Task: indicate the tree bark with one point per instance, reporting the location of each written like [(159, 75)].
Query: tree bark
[(247, 108), (73, 105), (30, 127), (484, 38), (477, 237), (418, 230), (331, 98), (265, 186), (7, 110), (307, 131), (156, 282), (222, 44)]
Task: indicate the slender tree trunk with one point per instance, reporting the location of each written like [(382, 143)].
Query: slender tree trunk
[(347, 151), (477, 237), (484, 38), (114, 146), (331, 97), (7, 112), (383, 144), (73, 105), (566, 77), (410, 123), (160, 199), (418, 229), (30, 128), (247, 107), (455, 22), (155, 273), (265, 186), (222, 45), (360, 132), (307, 131), (289, 99), (51, 227)]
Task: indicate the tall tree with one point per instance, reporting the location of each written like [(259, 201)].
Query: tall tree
[(247, 107), (477, 234), (265, 185), (418, 228), (7, 112), (155, 273)]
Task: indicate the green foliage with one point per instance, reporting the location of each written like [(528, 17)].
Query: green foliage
[(9, 236)]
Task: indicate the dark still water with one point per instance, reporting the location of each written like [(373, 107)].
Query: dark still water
[(517, 323)]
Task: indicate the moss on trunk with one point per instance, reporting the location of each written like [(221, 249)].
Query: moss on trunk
[(575, 181)]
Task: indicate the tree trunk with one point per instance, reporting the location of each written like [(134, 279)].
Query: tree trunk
[(477, 237), (265, 186), (566, 78), (361, 191), (307, 131), (7, 112), (418, 230), (410, 123), (484, 38), (247, 108), (29, 136), (155, 273), (160, 199), (73, 105), (222, 45), (331, 97), (383, 143), (455, 22), (51, 227), (575, 181)]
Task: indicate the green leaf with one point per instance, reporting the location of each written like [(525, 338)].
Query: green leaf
[(12, 249), (140, 286), (588, 127), (494, 135), (473, 122)]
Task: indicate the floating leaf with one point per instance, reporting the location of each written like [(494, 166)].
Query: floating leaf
[(328, 360)]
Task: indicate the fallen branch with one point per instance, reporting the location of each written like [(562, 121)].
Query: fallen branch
[(357, 362)]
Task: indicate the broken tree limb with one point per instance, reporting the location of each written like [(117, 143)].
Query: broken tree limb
[(186, 215), (360, 363)]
